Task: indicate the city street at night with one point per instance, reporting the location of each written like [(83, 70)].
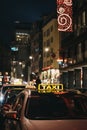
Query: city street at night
[(43, 65)]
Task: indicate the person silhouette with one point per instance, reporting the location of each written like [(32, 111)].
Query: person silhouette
[(38, 81)]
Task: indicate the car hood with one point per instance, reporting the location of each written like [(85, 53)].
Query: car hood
[(56, 124)]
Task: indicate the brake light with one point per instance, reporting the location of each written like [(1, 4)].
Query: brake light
[(12, 114)]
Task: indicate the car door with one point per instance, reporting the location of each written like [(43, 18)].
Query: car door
[(15, 124)]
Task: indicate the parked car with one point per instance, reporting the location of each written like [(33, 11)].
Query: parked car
[(9, 97), (6, 87), (83, 91), (35, 110), (11, 92), (8, 100)]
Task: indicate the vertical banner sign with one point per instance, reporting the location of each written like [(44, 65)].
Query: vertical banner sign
[(64, 11)]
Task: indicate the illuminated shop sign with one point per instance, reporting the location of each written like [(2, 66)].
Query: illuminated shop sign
[(64, 11)]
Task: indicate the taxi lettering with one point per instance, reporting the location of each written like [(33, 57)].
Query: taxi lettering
[(50, 87)]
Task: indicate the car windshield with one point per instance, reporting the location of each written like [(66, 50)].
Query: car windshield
[(10, 87), (50, 107), (11, 94)]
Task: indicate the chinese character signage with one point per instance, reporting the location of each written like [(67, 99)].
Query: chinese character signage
[(64, 11)]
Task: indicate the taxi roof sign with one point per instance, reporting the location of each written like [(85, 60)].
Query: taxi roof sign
[(50, 88)]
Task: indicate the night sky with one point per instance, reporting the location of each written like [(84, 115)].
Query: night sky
[(23, 11)]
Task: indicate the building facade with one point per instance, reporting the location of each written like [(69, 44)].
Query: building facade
[(74, 49), (5, 64), (36, 59), (20, 51), (51, 45)]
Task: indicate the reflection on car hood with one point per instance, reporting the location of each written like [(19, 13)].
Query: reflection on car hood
[(58, 124)]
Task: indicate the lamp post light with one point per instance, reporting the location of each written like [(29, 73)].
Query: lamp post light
[(30, 57), (49, 54), (29, 68), (47, 49)]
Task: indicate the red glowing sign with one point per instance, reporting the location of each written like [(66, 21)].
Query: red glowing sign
[(64, 10)]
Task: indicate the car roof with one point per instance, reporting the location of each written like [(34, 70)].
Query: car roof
[(51, 89), (10, 89), (4, 88), (14, 89), (35, 92), (6, 85)]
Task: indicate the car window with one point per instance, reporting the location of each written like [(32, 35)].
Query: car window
[(77, 105), (56, 107), (11, 94), (46, 107), (4, 88)]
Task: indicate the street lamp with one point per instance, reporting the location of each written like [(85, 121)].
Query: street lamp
[(30, 57), (29, 68), (47, 49)]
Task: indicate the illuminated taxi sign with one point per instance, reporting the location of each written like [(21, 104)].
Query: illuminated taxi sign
[(50, 88)]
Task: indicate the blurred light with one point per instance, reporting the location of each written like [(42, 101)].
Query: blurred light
[(14, 48), (1, 97), (46, 49), (30, 57), (20, 63), (22, 75)]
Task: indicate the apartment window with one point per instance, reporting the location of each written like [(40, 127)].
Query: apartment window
[(51, 29), (48, 32), (48, 42), (84, 18), (75, 27), (44, 54), (45, 33), (79, 21), (44, 43), (48, 63), (80, 3), (51, 39), (86, 49), (79, 53), (48, 55), (44, 64)]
